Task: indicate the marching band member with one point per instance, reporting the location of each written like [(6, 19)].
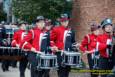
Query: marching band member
[(49, 25), (3, 42), (86, 47), (17, 38), (105, 46), (2, 34), (37, 41), (113, 54), (62, 38)]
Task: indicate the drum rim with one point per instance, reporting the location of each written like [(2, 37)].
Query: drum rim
[(48, 56), (72, 53)]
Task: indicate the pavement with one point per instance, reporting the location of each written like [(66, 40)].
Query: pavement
[(14, 72)]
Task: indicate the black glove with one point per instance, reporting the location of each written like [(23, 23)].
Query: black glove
[(97, 53), (109, 46)]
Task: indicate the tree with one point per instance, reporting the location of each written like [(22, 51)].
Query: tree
[(30, 9), (2, 14)]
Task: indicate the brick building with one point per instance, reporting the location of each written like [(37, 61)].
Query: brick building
[(85, 11)]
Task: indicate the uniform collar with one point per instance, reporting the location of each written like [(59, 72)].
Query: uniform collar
[(64, 27), (106, 34), (94, 35), (36, 28), (22, 30), (45, 30)]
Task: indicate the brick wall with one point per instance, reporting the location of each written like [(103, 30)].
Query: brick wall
[(86, 11)]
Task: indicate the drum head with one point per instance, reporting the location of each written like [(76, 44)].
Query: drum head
[(72, 53), (48, 56)]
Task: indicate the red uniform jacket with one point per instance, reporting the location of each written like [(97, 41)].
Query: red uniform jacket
[(18, 37), (86, 44), (102, 39), (102, 48), (36, 38), (62, 37)]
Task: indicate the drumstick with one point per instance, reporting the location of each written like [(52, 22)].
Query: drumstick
[(10, 47), (38, 52)]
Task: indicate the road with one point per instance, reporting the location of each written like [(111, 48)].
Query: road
[(14, 72)]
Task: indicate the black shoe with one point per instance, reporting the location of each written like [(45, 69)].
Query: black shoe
[(7, 69), (14, 66), (22, 75), (4, 70)]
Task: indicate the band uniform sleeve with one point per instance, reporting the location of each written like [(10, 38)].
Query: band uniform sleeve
[(26, 42), (84, 44), (15, 39)]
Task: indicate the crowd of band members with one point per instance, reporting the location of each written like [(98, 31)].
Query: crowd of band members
[(47, 38)]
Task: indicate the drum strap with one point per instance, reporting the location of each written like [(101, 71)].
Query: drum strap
[(64, 37), (109, 41), (88, 38), (40, 40), (32, 34)]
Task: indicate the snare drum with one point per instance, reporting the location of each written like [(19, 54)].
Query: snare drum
[(71, 58), (11, 53), (47, 62), (5, 51), (15, 51), (96, 62), (1, 52)]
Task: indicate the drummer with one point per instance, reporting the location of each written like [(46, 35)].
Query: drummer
[(5, 63), (38, 42), (48, 25), (86, 47), (17, 38), (62, 38)]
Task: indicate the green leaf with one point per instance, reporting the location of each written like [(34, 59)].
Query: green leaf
[(30, 9)]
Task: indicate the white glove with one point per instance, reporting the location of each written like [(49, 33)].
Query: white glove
[(109, 41), (17, 45)]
